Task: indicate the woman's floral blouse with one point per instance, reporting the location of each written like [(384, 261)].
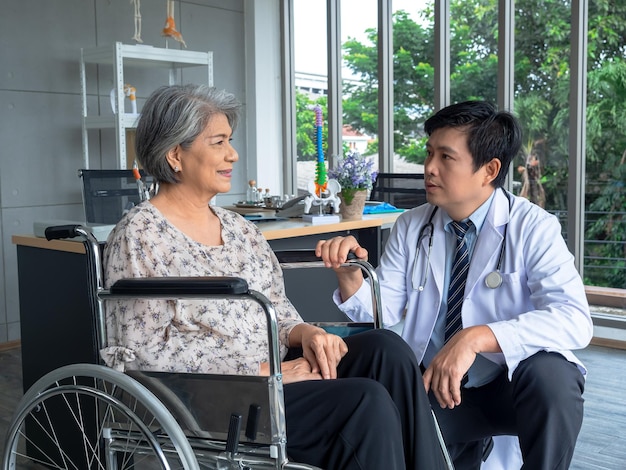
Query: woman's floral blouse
[(223, 336)]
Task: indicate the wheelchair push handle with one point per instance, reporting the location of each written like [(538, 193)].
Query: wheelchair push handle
[(58, 232), (303, 256)]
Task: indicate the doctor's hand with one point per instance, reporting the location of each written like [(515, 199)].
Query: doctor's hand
[(335, 251), (449, 366)]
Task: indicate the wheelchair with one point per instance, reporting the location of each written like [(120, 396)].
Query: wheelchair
[(89, 416)]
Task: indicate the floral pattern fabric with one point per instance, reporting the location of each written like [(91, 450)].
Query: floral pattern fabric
[(225, 336)]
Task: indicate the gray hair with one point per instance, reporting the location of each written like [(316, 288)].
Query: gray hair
[(175, 115)]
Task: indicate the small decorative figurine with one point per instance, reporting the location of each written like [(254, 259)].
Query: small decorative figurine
[(137, 35), (322, 191), (170, 25)]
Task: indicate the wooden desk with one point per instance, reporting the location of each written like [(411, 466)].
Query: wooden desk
[(296, 234), (297, 228), (273, 231), (56, 325)]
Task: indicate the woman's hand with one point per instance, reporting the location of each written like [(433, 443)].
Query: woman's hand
[(297, 370), (323, 351)]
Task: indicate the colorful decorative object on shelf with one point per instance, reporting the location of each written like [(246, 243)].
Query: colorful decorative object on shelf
[(320, 169), (137, 7), (170, 25), (144, 192), (356, 176), (322, 191), (130, 93)]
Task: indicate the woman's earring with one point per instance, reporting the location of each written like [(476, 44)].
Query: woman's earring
[(176, 169)]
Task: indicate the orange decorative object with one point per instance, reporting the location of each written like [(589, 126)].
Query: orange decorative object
[(320, 188), (170, 25)]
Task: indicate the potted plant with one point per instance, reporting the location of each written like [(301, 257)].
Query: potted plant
[(356, 176)]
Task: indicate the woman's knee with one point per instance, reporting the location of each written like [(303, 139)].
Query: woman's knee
[(374, 402), (381, 340)]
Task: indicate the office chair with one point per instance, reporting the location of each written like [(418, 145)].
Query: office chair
[(403, 190), (107, 194)]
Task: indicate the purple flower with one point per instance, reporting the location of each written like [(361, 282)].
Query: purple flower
[(354, 171)]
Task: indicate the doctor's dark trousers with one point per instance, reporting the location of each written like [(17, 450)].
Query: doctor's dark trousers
[(542, 405), (375, 416)]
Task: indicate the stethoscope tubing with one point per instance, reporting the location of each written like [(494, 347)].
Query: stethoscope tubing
[(493, 280)]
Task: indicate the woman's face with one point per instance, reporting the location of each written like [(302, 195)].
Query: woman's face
[(206, 167)]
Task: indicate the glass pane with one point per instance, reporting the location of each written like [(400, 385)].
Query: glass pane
[(605, 195), (359, 35), (474, 50), (413, 76), (311, 72), (542, 80)]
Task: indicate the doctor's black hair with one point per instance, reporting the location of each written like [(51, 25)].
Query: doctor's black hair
[(490, 133)]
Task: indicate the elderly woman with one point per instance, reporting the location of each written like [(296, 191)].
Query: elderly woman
[(358, 403)]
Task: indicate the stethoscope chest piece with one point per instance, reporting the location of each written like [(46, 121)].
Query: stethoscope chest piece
[(493, 280)]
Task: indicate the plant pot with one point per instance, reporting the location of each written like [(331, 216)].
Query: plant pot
[(354, 209)]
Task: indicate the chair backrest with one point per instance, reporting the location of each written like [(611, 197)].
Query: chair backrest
[(403, 190), (107, 194)]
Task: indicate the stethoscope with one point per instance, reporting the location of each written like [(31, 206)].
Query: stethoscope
[(493, 280)]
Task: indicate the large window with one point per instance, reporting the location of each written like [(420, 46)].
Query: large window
[(359, 49), (542, 77), (605, 196), (542, 93), (311, 79)]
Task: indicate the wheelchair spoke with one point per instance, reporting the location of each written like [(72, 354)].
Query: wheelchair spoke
[(89, 417)]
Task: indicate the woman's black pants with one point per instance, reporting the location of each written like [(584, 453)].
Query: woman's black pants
[(375, 415)]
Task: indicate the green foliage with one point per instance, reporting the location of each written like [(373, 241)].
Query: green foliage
[(542, 89), (305, 125)]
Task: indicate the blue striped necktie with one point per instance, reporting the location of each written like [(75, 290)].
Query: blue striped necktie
[(456, 290)]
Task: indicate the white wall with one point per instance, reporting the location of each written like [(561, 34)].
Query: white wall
[(40, 104)]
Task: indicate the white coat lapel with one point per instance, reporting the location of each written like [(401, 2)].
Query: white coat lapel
[(489, 242), (438, 254)]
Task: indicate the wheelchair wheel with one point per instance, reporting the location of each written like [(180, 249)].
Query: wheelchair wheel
[(87, 416)]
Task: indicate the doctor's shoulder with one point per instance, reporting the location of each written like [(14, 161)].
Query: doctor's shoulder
[(529, 216)]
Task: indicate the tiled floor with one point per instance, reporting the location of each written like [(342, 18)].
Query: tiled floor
[(601, 444)]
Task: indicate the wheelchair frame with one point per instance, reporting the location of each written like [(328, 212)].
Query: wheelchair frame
[(114, 420)]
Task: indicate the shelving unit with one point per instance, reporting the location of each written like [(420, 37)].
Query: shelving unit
[(120, 56)]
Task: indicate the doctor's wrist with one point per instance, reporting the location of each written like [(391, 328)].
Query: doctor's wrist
[(481, 339)]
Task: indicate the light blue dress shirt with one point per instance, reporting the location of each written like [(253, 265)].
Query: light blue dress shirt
[(483, 370)]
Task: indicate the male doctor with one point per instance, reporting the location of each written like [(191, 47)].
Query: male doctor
[(491, 300)]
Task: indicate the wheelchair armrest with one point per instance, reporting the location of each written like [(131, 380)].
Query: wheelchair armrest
[(198, 288), (174, 286)]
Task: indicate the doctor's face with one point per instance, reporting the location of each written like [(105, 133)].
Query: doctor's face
[(450, 180)]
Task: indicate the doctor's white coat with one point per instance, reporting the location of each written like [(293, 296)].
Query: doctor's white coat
[(541, 304)]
